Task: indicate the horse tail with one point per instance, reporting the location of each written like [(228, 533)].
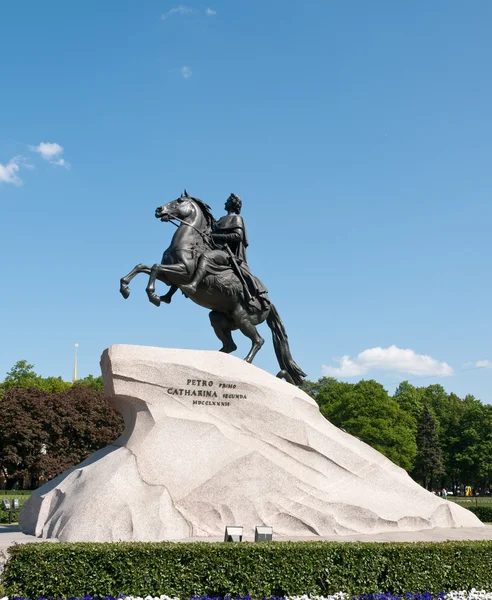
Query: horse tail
[(281, 346)]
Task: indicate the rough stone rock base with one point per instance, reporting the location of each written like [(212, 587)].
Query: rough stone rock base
[(210, 441)]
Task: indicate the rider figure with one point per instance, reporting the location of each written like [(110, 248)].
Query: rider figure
[(229, 231)]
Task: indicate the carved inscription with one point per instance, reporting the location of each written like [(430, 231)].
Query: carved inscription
[(211, 393)]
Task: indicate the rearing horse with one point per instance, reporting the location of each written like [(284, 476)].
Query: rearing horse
[(221, 294)]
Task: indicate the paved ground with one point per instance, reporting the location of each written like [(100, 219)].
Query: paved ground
[(10, 534), (430, 535)]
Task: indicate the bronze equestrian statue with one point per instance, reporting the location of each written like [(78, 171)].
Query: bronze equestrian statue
[(207, 261)]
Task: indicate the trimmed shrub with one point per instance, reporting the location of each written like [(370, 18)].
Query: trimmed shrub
[(4, 516), (266, 569), (484, 513)]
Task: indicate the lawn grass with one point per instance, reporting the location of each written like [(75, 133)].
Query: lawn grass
[(468, 501), (23, 497)]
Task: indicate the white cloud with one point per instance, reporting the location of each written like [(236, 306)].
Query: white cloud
[(51, 151), (210, 12), (186, 72), (483, 363), (48, 150), (347, 368), (177, 10), (388, 359), (9, 172)]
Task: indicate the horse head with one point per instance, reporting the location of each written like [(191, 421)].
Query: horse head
[(182, 208), (187, 209)]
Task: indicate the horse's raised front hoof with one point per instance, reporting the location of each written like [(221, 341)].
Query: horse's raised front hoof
[(124, 291), (154, 299), (166, 298)]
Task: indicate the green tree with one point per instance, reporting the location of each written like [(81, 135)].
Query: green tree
[(473, 452), (428, 462), (450, 422), (409, 399), (22, 374), (436, 399), (366, 411), (95, 383), (327, 390)]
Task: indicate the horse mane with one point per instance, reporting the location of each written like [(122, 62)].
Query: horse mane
[(206, 210)]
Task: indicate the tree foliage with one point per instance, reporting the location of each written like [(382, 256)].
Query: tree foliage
[(48, 425), (428, 463), (456, 448), (365, 410), (409, 399), (22, 375)]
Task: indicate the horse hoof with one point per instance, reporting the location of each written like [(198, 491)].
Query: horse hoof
[(166, 299), (228, 349), (125, 291), (283, 374), (156, 301)]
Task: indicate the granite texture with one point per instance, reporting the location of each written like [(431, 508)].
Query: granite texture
[(210, 441)]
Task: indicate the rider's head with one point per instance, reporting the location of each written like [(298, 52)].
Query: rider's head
[(234, 203)]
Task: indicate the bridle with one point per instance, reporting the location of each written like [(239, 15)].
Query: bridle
[(206, 236)]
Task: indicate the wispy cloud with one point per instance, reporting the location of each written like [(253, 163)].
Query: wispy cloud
[(483, 363), (182, 9), (9, 172), (52, 152), (177, 10), (388, 359), (186, 72)]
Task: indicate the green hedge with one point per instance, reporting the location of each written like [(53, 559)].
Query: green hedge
[(266, 569), (484, 513), (4, 516)]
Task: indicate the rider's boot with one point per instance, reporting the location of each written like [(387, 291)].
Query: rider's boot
[(190, 288), (167, 297)]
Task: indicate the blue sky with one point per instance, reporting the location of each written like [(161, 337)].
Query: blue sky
[(358, 134)]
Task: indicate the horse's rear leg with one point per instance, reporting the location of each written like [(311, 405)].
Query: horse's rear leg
[(243, 321), (222, 327), (124, 281)]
